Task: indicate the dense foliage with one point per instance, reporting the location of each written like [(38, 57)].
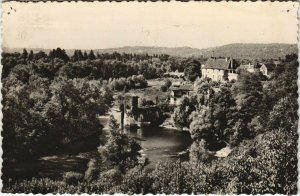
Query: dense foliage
[(119, 151), (97, 66), (128, 83), (45, 110), (193, 70), (48, 104)]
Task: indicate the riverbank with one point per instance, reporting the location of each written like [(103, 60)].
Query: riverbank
[(168, 124), (72, 157)]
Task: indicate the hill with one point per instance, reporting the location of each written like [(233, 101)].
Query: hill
[(253, 51), (238, 50), (177, 51)]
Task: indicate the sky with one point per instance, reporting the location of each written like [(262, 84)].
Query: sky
[(100, 25)]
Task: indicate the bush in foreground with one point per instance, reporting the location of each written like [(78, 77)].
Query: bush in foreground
[(72, 178)]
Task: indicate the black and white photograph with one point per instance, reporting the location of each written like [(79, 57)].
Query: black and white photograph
[(149, 97)]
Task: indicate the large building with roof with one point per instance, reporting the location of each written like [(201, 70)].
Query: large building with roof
[(220, 69)]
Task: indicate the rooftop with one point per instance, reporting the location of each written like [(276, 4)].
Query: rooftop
[(185, 87), (219, 63), (269, 65)]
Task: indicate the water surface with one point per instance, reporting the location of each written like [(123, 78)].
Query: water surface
[(157, 143), (161, 143)]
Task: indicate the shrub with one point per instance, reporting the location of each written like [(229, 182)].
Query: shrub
[(164, 88), (136, 181), (109, 180), (92, 171), (34, 186), (46, 185), (72, 178), (168, 83), (199, 153), (168, 178)]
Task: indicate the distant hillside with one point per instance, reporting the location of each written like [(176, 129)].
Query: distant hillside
[(178, 51), (253, 51), (35, 50), (240, 51)]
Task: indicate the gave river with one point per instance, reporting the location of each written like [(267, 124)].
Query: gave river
[(157, 143), (161, 143)]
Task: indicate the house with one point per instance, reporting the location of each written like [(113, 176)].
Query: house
[(267, 69), (177, 83), (250, 67), (174, 74), (220, 69), (178, 93)]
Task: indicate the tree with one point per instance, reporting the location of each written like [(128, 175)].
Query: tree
[(283, 84), (248, 94), (75, 56), (30, 56), (59, 53), (98, 55), (85, 55), (80, 55), (284, 114), (170, 177), (25, 127), (202, 126), (216, 115), (43, 114), (40, 55), (91, 55), (181, 113), (192, 70), (24, 54), (199, 152), (119, 150), (164, 88), (269, 162), (168, 83), (113, 124), (136, 181)]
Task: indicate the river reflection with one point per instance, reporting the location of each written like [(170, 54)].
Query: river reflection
[(161, 143), (157, 143)]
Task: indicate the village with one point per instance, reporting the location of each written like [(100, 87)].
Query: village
[(132, 111)]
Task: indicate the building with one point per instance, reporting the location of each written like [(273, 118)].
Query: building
[(220, 69), (250, 67), (133, 115), (174, 74), (267, 69), (177, 94), (177, 83)]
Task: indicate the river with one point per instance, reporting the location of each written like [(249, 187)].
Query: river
[(161, 143), (157, 143)]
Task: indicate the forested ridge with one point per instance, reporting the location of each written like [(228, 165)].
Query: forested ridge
[(50, 100), (236, 50)]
